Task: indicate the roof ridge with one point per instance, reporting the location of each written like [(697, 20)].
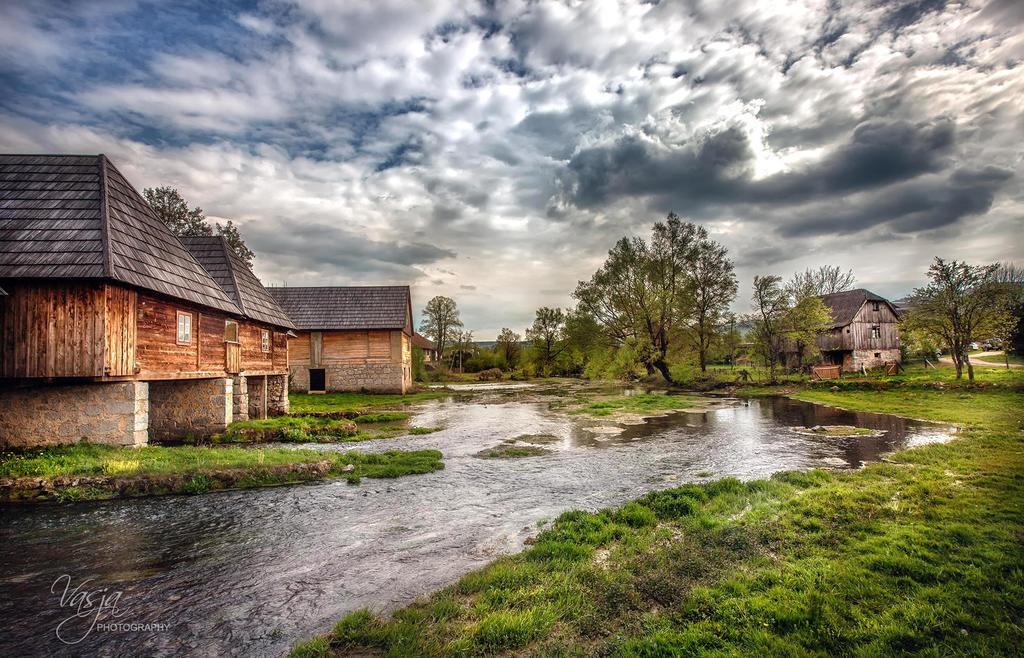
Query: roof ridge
[(108, 259), (234, 277)]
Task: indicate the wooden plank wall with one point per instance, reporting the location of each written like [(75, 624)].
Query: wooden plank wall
[(52, 330), (120, 330), (857, 334), (347, 348)]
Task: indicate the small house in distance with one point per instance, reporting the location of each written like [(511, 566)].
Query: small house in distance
[(865, 331), (111, 330), (349, 338), (427, 345)]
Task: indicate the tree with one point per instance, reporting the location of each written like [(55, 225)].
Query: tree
[(1011, 277), (172, 209), (713, 287), (441, 322), (643, 292), (462, 344), (804, 320), (771, 304), (509, 346), (961, 303), (826, 280), (546, 335)]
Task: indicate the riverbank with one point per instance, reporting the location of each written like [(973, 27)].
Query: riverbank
[(96, 472), (920, 554)]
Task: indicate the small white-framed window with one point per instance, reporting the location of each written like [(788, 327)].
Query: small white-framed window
[(230, 331), (265, 340), (876, 331), (184, 328)]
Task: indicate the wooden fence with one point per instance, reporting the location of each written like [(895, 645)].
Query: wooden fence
[(819, 373)]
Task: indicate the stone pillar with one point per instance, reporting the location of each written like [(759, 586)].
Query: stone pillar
[(277, 395), (112, 413), (190, 408), (257, 397), (240, 398)]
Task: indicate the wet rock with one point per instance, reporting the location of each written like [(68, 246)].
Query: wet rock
[(348, 468)]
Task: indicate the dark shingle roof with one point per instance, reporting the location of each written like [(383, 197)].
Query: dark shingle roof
[(76, 216), (422, 342), (364, 307), (844, 305), (236, 279)]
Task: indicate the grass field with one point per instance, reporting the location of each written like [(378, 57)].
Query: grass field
[(358, 403), (154, 470), (921, 554)]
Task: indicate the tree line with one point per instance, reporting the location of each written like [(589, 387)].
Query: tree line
[(660, 307)]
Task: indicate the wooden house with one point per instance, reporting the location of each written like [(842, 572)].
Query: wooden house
[(111, 330), (864, 333), (349, 338), (428, 347)]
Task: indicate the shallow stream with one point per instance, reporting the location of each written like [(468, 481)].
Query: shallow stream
[(252, 572)]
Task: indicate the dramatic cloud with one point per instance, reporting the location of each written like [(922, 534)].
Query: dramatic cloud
[(494, 152)]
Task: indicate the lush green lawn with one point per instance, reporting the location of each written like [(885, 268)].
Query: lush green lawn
[(922, 555), (153, 470), (320, 429), (356, 403)]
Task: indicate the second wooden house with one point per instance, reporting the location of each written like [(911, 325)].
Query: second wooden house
[(349, 338)]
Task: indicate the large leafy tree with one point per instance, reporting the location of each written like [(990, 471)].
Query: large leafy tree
[(962, 303), (712, 288), (825, 280), (771, 305), (509, 347), (441, 323), (547, 335), (172, 209), (644, 292)]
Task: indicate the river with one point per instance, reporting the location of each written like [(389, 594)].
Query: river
[(249, 573)]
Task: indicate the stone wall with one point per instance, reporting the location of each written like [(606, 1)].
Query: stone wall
[(373, 377), (113, 413), (189, 408), (240, 398), (257, 396), (853, 361), (277, 395)]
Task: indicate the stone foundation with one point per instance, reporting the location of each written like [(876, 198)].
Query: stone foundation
[(277, 395), (853, 361), (190, 408), (257, 396), (240, 398), (112, 413), (372, 377)]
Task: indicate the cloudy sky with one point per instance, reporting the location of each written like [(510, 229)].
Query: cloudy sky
[(494, 151)]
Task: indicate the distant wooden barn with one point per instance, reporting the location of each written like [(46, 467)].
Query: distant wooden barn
[(427, 345), (112, 330), (349, 338), (864, 333)]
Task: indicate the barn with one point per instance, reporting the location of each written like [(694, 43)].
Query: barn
[(865, 331), (349, 338), (112, 331)]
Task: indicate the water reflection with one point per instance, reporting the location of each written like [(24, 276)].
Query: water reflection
[(250, 573)]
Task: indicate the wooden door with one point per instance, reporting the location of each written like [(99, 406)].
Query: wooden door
[(316, 348)]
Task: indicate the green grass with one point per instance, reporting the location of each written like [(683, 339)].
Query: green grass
[(641, 404), (288, 429), (837, 430), (382, 417), (154, 470), (508, 451), (358, 403), (920, 555)]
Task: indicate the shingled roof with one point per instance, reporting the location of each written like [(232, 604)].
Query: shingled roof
[(339, 308), (236, 279), (844, 305), (76, 216)]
